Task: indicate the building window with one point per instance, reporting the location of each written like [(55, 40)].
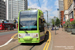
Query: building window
[(72, 14)]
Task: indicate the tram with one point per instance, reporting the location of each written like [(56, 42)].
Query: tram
[(31, 27)]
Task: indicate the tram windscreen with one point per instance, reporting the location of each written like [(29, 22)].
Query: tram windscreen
[(28, 20)]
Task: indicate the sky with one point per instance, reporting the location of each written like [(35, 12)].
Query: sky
[(50, 5)]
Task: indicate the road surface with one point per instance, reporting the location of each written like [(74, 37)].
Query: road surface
[(9, 32), (14, 45), (5, 36)]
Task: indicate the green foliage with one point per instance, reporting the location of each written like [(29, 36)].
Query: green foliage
[(57, 23), (29, 9), (48, 24), (53, 22), (68, 24), (73, 24)]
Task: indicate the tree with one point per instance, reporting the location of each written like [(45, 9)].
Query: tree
[(67, 24), (48, 24), (53, 23), (29, 9), (57, 23)]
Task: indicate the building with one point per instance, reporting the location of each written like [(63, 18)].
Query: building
[(4, 0), (58, 14), (68, 9), (2, 10), (61, 5), (62, 16), (13, 8), (74, 9), (61, 10)]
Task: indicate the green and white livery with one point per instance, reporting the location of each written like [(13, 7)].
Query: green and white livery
[(31, 27)]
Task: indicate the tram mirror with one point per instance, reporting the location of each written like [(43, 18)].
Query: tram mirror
[(43, 20)]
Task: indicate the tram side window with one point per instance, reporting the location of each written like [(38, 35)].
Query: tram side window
[(41, 25)]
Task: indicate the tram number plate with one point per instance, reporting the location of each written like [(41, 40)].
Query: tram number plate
[(27, 34)]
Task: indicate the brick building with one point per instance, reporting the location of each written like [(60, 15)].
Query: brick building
[(62, 16)]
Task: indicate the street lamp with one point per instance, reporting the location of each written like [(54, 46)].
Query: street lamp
[(54, 19), (47, 15), (54, 24), (47, 18)]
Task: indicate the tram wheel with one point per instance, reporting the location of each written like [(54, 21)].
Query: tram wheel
[(46, 36)]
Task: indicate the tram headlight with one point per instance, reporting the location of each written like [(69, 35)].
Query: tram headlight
[(20, 36), (36, 35)]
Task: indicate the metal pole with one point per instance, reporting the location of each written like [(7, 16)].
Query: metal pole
[(62, 27), (47, 16), (47, 19), (55, 30), (55, 27)]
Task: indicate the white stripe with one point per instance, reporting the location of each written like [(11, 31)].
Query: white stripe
[(7, 42)]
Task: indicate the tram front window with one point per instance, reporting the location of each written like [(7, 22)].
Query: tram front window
[(28, 20)]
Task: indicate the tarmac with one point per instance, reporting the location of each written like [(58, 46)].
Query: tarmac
[(7, 30)]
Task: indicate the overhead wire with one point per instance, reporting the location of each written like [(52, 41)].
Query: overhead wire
[(39, 3)]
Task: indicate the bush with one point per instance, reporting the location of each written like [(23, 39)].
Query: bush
[(73, 24), (68, 24)]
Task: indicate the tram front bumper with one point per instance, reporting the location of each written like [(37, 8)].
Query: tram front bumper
[(27, 38)]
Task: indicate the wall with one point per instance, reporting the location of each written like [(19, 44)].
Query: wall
[(68, 9), (65, 5)]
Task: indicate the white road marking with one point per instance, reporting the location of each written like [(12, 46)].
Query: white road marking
[(7, 42)]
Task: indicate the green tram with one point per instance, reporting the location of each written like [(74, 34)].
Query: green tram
[(31, 27)]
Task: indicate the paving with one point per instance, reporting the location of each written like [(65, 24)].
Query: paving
[(62, 40)]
